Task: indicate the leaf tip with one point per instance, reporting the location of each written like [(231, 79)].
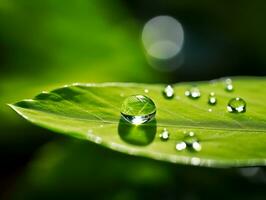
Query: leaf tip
[(15, 108)]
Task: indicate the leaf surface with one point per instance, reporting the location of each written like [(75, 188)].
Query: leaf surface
[(92, 112)]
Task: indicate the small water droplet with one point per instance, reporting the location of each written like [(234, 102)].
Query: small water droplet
[(228, 81), (212, 99), (229, 85), (146, 91), (168, 92), (191, 133), (180, 146), (193, 93), (236, 105), (196, 146), (138, 109), (210, 110), (164, 135)]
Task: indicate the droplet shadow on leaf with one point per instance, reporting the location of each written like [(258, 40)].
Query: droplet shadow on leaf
[(140, 135)]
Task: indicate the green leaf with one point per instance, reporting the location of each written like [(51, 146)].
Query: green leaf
[(92, 112)]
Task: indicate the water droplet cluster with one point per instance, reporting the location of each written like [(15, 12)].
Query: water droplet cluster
[(139, 109), (190, 141)]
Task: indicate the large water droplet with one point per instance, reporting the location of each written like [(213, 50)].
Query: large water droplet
[(164, 135), (212, 99), (168, 92), (138, 109), (236, 105), (193, 93), (229, 85)]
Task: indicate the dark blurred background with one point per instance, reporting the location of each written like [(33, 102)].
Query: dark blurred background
[(45, 44)]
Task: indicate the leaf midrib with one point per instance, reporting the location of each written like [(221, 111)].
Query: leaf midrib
[(158, 124)]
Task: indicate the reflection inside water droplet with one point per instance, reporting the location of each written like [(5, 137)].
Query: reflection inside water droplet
[(141, 135), (138, 109)]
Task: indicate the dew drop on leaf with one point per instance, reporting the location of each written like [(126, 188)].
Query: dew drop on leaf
[(193, 93), (236, 105), (189, 140), (192, 141), (164, 135), (212, 99), (196, 146), (190, 133), (229, 85), (168, 92), (180, 146), (138, 109)]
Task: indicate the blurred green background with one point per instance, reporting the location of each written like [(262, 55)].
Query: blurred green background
[(45, 44)]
